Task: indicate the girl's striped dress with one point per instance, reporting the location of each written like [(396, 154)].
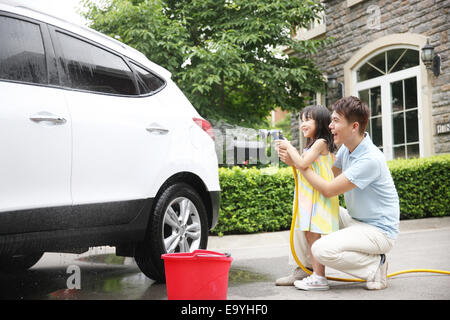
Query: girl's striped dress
[(317, 213)]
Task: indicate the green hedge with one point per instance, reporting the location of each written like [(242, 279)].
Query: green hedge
[(423, 186), (257, 200)]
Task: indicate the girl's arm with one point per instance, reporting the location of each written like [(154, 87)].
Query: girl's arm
[(303, 161)]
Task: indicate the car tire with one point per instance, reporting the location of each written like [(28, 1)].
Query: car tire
[(18, 262), (178, 223)]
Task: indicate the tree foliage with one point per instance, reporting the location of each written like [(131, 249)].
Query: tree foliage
[(223, 54)]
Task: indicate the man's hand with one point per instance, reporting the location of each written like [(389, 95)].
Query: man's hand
[(284, 156)]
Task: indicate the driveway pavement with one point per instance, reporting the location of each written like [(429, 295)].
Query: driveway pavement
[(261, 258)]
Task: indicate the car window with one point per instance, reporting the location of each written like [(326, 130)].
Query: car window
[(147, 81), (22, 55), (91, 68)]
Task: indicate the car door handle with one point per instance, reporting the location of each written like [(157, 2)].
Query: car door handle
[(154, 128), (48, 117)]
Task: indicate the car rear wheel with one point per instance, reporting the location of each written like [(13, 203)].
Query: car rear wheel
[(178, 223)]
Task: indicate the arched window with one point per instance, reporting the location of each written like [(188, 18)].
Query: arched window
[(388, 62)]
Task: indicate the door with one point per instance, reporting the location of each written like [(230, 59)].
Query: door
[(35, 133), (405, 118), (118, 137)]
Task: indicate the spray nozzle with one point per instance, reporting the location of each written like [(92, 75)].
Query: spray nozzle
[(275, 134)]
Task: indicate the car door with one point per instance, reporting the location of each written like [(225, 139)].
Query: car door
[(117, 136), (35, 132)]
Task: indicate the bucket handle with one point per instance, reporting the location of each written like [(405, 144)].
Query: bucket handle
[(210, 253)]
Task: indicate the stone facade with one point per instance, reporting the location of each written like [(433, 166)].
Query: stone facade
[(355, 24)]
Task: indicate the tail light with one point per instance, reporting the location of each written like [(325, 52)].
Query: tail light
[(206, 126)]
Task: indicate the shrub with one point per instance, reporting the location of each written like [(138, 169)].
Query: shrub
[(423, 186), (254, 200), (257, 200)]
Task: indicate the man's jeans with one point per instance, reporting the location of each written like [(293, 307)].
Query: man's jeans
[(355, 249)]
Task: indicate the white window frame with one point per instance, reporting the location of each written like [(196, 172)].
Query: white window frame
[(386, 110), (318, 28), (351, 3)]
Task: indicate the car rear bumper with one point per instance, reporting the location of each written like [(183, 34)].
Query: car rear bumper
[(215, 204)]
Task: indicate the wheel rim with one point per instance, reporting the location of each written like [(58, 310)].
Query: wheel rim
[(181, 226)]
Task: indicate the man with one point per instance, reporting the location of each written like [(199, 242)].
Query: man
[(369, 226)]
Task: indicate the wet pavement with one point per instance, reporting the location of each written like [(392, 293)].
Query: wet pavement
[(103, 275), (258, 260)]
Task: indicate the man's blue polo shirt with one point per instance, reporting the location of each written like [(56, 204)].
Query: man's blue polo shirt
[(374, 200)]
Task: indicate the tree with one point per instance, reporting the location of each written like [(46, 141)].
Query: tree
[(223, 54)]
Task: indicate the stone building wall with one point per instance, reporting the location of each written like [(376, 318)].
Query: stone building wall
[(354, 27)]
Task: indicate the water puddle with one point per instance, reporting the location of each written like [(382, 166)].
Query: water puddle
[(109, 285), (106, 276), (238, 276)]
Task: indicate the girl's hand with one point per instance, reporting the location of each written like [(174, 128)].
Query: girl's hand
[(282, 145)]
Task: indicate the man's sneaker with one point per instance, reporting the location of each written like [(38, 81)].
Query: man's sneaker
[(313, 282), (379, 279), (297, 274)]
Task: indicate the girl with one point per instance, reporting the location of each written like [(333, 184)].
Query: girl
[(317, 215)]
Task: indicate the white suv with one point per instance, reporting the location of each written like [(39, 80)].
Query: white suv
[(98, 147)]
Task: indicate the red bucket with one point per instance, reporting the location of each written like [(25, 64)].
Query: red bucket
[(198, 275)]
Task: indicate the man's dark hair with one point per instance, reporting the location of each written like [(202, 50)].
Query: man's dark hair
[(354, 110), (322, 117)]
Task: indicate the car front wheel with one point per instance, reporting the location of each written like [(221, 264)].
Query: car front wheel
[(178, 223)]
